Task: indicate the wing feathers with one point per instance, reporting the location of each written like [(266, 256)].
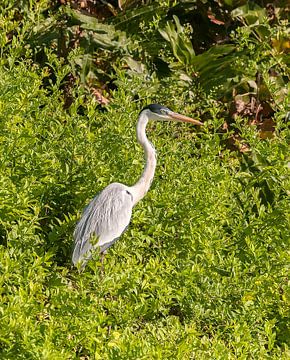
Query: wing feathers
[(103, 220)]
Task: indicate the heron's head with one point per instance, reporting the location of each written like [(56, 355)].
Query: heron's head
[(159, 112)]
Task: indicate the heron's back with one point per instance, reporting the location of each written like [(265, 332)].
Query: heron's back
[(103, 221)]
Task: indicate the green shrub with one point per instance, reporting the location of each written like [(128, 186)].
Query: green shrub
[(202, 272)]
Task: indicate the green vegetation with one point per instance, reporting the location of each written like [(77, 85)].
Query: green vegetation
[(203, 270)]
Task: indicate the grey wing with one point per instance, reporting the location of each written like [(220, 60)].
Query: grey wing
[(103, 221)]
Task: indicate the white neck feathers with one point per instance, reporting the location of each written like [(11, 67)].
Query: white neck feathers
[(142, 186)]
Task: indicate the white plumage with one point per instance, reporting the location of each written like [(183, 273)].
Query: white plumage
[(107, 216)]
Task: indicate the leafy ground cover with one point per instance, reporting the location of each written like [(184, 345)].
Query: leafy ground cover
[(203, 270)]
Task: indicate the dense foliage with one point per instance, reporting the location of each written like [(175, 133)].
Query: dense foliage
[(203, 270)]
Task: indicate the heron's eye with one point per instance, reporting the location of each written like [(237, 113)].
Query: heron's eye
[(163, 111)]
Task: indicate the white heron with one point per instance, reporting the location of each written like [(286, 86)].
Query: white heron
[(108, 215)]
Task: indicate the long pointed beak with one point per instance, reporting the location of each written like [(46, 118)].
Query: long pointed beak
[(184, 118)]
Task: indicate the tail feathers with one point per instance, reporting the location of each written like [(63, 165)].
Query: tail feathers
[(82, 254)]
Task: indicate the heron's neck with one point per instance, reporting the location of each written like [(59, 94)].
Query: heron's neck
[(143, 184)]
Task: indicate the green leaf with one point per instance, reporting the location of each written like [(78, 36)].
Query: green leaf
[(180, 43)]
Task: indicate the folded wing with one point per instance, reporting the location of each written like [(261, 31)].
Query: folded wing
[(103, 221)]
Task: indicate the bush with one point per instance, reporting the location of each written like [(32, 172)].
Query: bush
[(202, 270)]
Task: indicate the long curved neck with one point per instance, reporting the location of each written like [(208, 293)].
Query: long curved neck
[(143, 184)]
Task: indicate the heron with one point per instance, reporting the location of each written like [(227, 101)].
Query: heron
[(108, 215)]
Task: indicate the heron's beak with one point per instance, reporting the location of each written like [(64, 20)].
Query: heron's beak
[(179, 117)]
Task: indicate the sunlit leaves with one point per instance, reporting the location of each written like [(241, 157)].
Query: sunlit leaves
[(202, 271), (181, 45)]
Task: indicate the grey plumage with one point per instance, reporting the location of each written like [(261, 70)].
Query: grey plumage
[(103, 221), (107, 216)]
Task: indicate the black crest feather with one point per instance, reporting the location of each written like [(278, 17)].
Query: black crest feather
[(155, 108)]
